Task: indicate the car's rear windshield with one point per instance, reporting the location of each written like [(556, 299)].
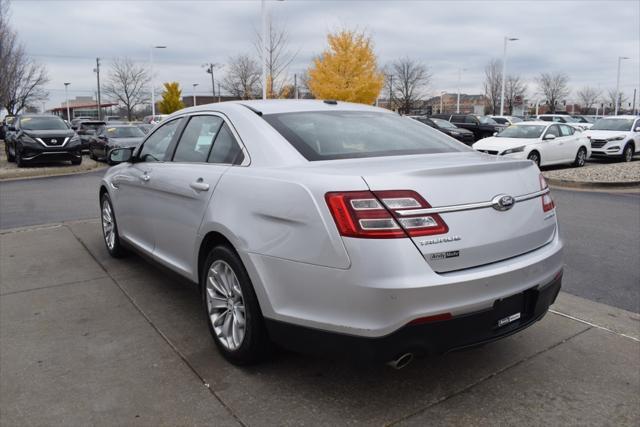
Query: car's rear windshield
[(42, 123), (124, 132), (623, 125), (329, 135)]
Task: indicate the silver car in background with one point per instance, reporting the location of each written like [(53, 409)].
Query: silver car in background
[(337, 229)]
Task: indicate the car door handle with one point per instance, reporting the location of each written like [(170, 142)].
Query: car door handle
[(199, 185)]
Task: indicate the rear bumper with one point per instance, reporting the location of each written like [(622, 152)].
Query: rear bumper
[(427, 339)]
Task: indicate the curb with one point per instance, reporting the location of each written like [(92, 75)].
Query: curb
[(594, 185), (55, 175)]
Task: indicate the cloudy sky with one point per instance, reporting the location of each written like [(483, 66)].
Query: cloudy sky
[(581, 38)]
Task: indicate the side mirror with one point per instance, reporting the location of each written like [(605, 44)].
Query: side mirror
[(120, 155), (549, 137)]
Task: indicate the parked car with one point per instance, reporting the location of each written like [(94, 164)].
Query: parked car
[(109, 137), (448, 128), (336, 228), (75, 122), (41, 138), (145, 127), (541, 142), (615, 136), (583, 119), (154, 119), (565, 118), (506, 120), (4, 126), (481, 126), (87, 129)]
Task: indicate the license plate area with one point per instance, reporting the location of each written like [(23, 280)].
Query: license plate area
[(515, 310)]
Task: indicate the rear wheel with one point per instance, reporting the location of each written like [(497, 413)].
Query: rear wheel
[(581, 158), (76, 162), (91, 155), (233, 313), (627, 154), (10, 156), (19, 161), (110, 228), (534, 156)]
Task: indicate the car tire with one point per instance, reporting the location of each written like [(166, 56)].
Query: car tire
[(91, 155), (76, 162), (627, 153), (231, 307), (7, 150), (110, 228), (534, 156), (581, 158)]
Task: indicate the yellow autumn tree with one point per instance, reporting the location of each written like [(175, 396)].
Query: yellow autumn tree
[(347, 70), (171, 98)]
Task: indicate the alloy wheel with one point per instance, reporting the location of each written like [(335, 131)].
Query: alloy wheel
[(581, 157), (108, 228), (628, 154), (225, 305)]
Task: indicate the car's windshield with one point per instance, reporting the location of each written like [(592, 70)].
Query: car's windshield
[(570, 119), (613, 124), (487, 120), (42, 123), (444, 124), (580, 119), (500, 120), (327, 135), (522, 131), (124, 132)]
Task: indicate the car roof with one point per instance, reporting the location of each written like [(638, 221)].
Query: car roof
[(276, 106), (534, 123), (628, 116)]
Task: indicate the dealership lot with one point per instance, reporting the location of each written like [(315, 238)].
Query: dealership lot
[(89, 339)]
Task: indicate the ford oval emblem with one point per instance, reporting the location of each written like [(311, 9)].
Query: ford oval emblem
[(502, 202)]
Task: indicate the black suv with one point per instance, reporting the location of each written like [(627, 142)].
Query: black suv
[(39, 138), (481, 126), (449, 128)]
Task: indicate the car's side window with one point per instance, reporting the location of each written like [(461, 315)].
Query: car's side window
[(546, 119), (197, 138), (566, 130), (553, 130), (470, 120), (156, 146), (225, 148)]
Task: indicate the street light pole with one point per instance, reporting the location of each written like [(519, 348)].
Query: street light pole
[(153, 83), (617, 100), (504, 71), (460, 70), (66, 97), (194, 93)]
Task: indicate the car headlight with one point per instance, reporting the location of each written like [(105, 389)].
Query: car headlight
[(513, 150), (616, 138), (27, 139)]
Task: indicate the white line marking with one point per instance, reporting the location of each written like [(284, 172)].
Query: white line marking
[(593, 325)]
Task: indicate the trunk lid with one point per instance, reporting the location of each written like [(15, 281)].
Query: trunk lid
[(475, 236)]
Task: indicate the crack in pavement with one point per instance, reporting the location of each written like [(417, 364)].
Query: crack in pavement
[(159, 332), (483, 379), (52, 286)]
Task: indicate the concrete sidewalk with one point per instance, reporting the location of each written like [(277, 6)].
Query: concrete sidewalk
[(86, 339)]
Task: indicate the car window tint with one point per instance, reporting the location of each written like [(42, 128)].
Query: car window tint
[(546, 118), (553, 130), (566, 130), (226, 148), (156, 146), (470, 120), (457, 119), (197, 138)]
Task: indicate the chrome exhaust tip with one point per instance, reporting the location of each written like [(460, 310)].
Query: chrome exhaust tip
[(401, 361)]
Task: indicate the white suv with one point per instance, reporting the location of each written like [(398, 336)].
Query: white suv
[(616, 136), (566, 118)]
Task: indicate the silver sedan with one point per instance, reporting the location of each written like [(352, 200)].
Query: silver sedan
[(337, 229)]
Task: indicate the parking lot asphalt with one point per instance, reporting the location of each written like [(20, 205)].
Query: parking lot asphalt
[(87, 339)]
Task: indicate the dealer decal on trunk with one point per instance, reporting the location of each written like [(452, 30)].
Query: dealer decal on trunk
[(444, 255)]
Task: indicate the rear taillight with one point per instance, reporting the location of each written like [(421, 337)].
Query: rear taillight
[(547, 201), (369, 214)]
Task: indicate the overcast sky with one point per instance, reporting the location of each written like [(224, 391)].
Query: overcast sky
[(581, 38)]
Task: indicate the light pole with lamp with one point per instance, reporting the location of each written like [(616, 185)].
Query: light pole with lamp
[(504, 71), (66, 97), (194, 93), (153, 89), (460, 70), (618, 97)]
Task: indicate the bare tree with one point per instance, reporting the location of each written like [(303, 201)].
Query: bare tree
[(611, 99), (278, 58), (242, 79), (554, 88), (515, 89), (22, 80), (410, 80), (493, 84), (127, 83), (588, 97)]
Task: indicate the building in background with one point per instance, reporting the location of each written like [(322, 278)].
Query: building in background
[(83, 106)]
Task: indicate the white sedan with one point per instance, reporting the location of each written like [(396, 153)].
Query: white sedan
[(542, 142)]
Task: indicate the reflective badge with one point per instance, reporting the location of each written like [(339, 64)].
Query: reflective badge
[(508, 320)]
